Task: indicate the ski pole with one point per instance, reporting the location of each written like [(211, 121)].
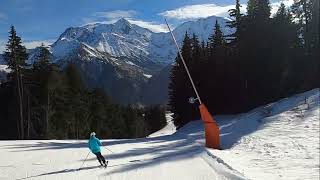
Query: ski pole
[(84, 160), (108, 149)]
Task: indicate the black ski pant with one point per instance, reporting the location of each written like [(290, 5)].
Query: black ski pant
[(100, 158)]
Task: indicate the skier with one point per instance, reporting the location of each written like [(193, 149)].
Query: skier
[(94, 146)]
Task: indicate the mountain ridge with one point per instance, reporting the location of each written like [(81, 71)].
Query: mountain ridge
[(129, 62)]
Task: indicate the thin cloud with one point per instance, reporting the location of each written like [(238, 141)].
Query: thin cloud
[(110, 17), (88, 21), (152, 26), (34, 44), (115, 14), (91, 22), (190, 12), (199, 11)]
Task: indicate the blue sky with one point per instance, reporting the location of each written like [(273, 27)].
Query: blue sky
[(38, 21)]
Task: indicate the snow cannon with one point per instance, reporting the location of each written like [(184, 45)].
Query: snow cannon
[(212, 132)]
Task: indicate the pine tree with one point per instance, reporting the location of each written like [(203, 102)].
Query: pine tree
[(217, 46), (42, 70), (284, 37), (43, 59), (259, 10), (302, 10), (315, 41), (215, 69), (236, 17), (155, 118), (307, 12), (180, 88), (76, 100), (194, 63), (16, 55), (216, 41), (256, 40)]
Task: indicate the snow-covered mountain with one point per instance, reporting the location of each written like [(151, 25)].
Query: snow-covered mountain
[(123, 39)]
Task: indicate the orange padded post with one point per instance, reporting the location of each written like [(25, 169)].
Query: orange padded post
[(212, 132)]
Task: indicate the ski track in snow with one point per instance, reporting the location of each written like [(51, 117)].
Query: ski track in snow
[(276, 141)]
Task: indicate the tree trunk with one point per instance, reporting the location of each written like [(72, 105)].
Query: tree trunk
[(47, 114), (29, 117), (21, 125)]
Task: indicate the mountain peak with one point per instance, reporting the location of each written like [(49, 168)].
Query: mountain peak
[(123, 21), (123, 26)]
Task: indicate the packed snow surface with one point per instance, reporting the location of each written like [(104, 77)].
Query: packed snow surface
[(276, 141)]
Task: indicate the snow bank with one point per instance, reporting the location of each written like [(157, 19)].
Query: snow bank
[(277, 141), (169, 129)]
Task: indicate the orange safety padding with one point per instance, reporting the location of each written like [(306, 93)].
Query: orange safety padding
[(212, 131)]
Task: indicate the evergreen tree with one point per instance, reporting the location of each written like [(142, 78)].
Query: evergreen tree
[(307, 12), (236, 17), (315, 41), (284, 49), (259, 9), (254, 55), (43, 59), (180, 88), (194, 64), (16, 55), (155, 118), (76, 100), (195, 46), (42, 70), (97, 112), (216, 42), (302, 10), (216, 69)]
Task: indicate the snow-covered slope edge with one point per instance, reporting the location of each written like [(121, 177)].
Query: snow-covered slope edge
[(277, 141), (169, 129)]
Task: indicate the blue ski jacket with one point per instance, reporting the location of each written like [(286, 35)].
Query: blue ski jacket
[(94, 144)]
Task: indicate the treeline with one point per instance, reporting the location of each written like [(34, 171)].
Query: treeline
[(44, 101), (266, 58)]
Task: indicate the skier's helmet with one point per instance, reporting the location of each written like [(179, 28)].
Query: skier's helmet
[(92, 134)]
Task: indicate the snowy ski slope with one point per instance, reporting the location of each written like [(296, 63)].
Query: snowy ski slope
[(276, 141)]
